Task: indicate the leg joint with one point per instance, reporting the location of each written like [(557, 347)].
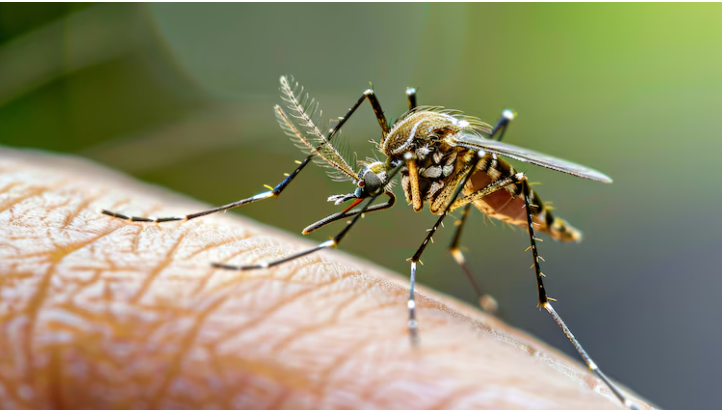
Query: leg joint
[(458, 255)]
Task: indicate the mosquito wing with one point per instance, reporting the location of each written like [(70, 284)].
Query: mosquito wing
[(476, 142), (301, 124), (325, 154)]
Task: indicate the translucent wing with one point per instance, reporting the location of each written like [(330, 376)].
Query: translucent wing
[(301, 124), (473, 141)]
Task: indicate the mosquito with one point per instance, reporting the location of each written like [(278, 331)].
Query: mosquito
[(440, 154)]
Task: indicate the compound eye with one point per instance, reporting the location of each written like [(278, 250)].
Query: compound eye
[(372, 182)]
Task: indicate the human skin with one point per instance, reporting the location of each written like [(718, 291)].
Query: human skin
[(101, 313)]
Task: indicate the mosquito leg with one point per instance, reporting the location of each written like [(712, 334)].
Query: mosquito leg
[(331, 243), (416, 202), (376, 106), (278, 189), (413, 170), (486, 301), (468, 169), (413, 324), (411, 97), (490, 188), (545, 302), (502, 124), (341, 215)]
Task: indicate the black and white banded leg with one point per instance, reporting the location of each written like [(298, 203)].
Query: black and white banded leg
[(349, 213), (486, 301), (331, 243), (411, 97), (278, 189), (545, 302), (502, 125), (487, 190)]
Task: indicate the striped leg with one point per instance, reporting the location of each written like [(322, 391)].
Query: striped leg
[(411, 97), (492, 187), (486, 301), (545, 302), (502, 124), (331, 243), (416, 201), (278, 189), (347, 214)]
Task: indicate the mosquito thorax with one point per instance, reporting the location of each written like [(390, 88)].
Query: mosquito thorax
[(421, 129)]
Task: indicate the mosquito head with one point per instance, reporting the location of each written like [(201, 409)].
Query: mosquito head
[(372, 178), (371, 181)]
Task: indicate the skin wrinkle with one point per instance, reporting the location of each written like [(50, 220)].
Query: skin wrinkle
[(240, 276), (56, 378), (217, 244), (203, 282), (244, 277), (205, 279), (300, 266), (9, 186), (167, 260), (364, 287), (349, 355), (31, 193), (455, 395), (335, 326), (13, 393), (61, 205), (342, 359), (348, 301), (234, 284), (371, 392), (373, 395), (186, 345), (282, 303), (135, 239), (38, 299), (287, 378), (281, 400), (332, 320)]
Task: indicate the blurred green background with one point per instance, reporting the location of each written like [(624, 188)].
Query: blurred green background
[(182, 96)]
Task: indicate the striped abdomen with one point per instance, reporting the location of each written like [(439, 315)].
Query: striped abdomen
[(507, 204)]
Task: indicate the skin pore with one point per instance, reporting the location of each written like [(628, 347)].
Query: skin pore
[(102, 313)]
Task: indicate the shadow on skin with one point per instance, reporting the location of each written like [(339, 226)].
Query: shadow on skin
[(103, 313)]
